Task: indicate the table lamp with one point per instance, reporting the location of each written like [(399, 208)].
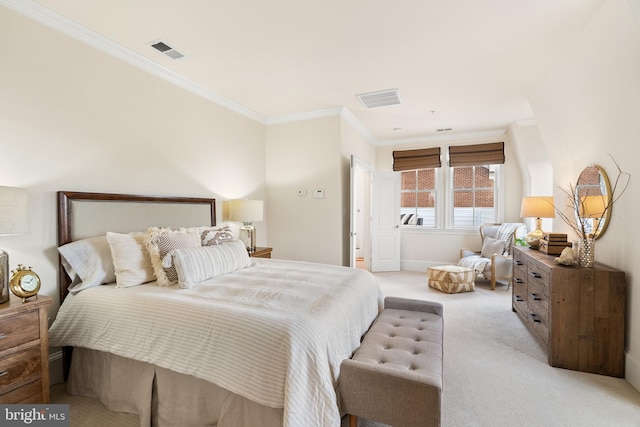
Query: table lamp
[(246, 211), (14, 219), (537, 207), (593, 207)]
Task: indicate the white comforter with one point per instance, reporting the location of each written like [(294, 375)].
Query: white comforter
[(274, 333)]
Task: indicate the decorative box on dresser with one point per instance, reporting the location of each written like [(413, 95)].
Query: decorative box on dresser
[(576, 313), (24, 351)]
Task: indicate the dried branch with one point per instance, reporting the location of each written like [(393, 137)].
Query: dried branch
[(579, 224)]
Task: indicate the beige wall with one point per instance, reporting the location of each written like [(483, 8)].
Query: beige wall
[(305, 155), (73, 118), (588, 106)]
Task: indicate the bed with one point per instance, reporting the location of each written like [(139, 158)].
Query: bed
[(260, 344)]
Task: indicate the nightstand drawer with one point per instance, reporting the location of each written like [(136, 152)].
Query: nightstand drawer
[(19, 329), (19, 369)]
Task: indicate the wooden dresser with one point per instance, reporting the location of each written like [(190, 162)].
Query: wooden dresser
[(24, 351), (576, 313)]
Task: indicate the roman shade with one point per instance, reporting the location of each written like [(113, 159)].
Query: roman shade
[(416, 159), (476, 155)]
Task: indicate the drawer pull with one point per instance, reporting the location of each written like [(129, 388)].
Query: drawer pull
[(517, 298), (3, 373), (518, 262), (518, 280), (535, 297), (534, 317), (536, 275)]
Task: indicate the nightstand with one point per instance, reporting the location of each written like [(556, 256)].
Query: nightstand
[(261, 253), (24, 351)]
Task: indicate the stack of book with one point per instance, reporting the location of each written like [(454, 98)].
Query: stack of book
[(554, 243)]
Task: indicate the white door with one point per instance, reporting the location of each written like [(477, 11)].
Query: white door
[(359, 216), (385, 234)]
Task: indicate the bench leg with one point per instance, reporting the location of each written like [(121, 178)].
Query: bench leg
[(353, 421)]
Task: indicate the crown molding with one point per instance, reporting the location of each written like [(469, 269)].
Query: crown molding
[(51, 19), (59, 23), (303, 116), (493, 133)]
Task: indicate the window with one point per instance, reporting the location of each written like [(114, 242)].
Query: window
[(464, 194), (474, 195), (418, 197)]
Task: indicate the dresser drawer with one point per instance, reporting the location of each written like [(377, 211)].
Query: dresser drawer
[(540, 328), (537, 299), (539, 277), (19, 329), (30, 393), (19, 369)]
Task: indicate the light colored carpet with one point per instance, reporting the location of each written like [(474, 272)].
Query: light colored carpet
[(495, 373)]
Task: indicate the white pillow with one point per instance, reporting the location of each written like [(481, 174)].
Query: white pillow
[(88, 263), (131, 259), (492, 246), (194, 265), (161, 241)]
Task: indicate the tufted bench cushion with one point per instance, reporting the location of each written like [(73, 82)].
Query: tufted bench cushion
[(395, 376), (451, 278)]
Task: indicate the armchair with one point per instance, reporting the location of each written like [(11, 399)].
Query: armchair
[(494, 260)]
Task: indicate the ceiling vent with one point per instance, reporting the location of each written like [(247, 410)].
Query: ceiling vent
[(444, 130), (380, 98), (167, 50)]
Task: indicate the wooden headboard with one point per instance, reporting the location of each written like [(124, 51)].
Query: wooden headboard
[(82, 215)]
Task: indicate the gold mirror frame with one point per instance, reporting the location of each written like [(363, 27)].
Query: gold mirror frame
[(593, 184)]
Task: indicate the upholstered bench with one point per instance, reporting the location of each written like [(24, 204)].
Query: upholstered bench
[(451, 278), (395, 376)]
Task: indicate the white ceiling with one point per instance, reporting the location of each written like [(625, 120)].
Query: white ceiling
[(468, 65)]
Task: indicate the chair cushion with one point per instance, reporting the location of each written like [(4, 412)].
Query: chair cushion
[(492, 246)]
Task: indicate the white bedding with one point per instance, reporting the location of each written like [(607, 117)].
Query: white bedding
[(274, 333)]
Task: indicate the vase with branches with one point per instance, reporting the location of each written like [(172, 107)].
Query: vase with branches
[(584, 215)]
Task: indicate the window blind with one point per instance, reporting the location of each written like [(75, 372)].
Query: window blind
[(476, 155), (416, 159)]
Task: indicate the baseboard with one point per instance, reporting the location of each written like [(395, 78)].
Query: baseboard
[(632, 371), (56, 368)]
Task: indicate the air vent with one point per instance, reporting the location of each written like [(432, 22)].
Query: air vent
[(380, 98), (167, 50), (444, 130)]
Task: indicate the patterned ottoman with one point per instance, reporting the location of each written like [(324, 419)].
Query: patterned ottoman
[(451, 278)]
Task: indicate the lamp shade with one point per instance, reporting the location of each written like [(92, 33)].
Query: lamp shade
[(593, 206), (14, 210), (537, 207), (246, 210)]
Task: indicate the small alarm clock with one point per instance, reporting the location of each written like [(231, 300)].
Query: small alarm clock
[(24, 282)]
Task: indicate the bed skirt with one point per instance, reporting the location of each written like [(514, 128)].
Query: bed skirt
[(161, 397)]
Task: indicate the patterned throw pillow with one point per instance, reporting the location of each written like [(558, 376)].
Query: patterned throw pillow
[(217, 236), (161, 241)]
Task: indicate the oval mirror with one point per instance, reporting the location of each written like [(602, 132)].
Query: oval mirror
[(593, 190)]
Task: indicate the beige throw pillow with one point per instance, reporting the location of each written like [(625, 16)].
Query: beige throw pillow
[(130, 259), (492, 246)]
